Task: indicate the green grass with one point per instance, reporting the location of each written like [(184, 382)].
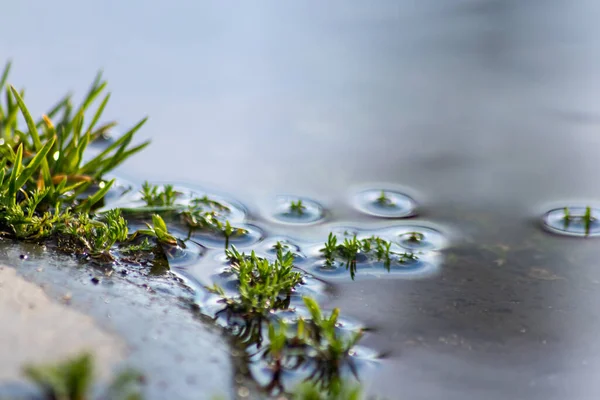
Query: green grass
[(264, 286), (315, 344), (72, 379), (70, 133), (50, 193)]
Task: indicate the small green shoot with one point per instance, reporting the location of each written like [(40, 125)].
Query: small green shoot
[(588, 219), (384, 201), (374, 247), (297, 207), (159, 231), (48, 192), (330, 250), (416, 237), (263, 285), (153, 196), (72, 379)]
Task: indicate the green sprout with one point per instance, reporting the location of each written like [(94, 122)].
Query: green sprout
[(566, 214), (416, 237), (159, 231), (95, 237), (587, 218), (384, 200), (296, 207), (197, 217), (280, 246), (263, 285), (153, 196), (72, 379), (49, 193), (227, 231), (315, 344), (349, 250), (330, 250), (375, 247)]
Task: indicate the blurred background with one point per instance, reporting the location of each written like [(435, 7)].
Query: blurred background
[(469, 100)]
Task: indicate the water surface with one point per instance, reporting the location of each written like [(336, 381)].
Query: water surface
[(486, 111)]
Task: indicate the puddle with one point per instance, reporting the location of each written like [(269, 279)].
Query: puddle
[(464, 103)]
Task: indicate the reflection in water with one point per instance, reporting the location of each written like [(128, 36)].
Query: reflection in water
[(462, 101)]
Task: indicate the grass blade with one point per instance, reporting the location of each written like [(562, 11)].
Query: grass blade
[(16, 169), (34, 164), (92, 165), (98, 113), (96, 197), (28, 119), (34, 134), (3, 79)]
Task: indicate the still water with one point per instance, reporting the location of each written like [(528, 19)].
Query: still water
[(485, 111)]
